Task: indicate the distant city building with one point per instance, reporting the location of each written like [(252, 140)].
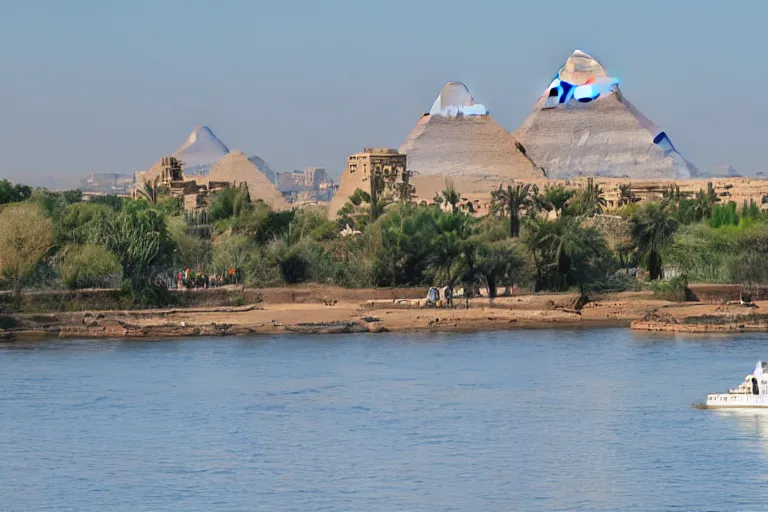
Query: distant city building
[(308, 185), (107, 183)]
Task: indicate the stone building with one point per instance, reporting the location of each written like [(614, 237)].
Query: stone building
[(379, 172), (314, 177)]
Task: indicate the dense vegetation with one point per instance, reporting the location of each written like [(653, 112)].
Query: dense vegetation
[(551, 239)]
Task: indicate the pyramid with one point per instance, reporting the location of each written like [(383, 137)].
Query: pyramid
[(263, 167), (236, 168), (458, 139), (201, 149), (584, 126)]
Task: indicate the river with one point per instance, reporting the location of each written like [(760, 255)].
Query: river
[(522, 420)]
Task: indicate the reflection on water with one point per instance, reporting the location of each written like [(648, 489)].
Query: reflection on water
[(528, 420), (753, 424)]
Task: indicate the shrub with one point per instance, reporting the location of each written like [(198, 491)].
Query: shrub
[(26, 235), (89, 266), (674, 289)]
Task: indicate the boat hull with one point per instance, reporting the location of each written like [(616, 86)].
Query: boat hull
[(736, 401)]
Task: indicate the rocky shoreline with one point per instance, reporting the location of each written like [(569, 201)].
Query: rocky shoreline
[(718, 322)]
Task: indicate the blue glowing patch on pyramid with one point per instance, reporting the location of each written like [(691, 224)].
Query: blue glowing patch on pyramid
[(561, 92)]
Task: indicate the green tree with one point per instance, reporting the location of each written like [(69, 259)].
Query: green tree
[(588, 201), (88, 266), (451, 196), (626, 194), (499, 263), (401, 242), (230, 202), (13, 193), (558, 196), (26, 235), (510, 202), (567, 254), (362, 209), (724, 215), (652, 229), (141, 241), (149, 190), (446, 257)]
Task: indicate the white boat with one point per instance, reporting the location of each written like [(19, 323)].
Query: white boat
[(752, 393)]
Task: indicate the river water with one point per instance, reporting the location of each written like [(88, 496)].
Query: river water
[(523, 420)]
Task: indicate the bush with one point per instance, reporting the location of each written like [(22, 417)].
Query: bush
[(89, 266), (724, 215), (674, 289)]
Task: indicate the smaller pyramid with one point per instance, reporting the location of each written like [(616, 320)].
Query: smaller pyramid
[(235, 168), (458, 138), (583, 125), (264, 167), (202, 148)]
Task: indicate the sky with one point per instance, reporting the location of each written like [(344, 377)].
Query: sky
[(112, 86)]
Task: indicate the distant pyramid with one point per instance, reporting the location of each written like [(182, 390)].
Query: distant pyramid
[(236, 168), (201, 148), (264, 167), (458, 138), (584, 126)]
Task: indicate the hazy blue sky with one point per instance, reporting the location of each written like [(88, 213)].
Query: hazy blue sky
[(111, 86)]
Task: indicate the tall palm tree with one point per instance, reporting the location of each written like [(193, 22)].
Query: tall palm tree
[(595, 197), (651, 229), (510, 202)]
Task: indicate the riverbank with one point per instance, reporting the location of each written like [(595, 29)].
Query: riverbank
[(700, 317), (340, 314), (319, 310)]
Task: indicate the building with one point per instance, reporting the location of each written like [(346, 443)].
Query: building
[(314, 177), (379, 172)]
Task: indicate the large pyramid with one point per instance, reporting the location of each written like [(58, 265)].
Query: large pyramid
[(584, 126), (458, 139), (236, 168), (202, 148)]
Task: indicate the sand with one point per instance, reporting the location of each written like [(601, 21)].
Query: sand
[(341, 315)]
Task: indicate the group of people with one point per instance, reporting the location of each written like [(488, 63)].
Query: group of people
[(440, 297), (188, 278)]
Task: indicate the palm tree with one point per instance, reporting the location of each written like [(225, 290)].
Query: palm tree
[(651, 229), (451, 196), (557, 196), (588, 201), (595, 196), (626, 194), (149, 190), (540, 201), (511, 201), (702, 205), (567, 254)]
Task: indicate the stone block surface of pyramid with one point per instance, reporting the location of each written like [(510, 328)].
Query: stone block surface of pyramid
[(236, 168), (458, 138), (584, 126)]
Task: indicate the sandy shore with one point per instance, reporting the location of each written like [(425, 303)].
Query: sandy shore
[(341, 316), (349, 314)]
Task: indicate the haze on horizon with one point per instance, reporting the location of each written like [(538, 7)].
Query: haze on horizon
[(91, 87)]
